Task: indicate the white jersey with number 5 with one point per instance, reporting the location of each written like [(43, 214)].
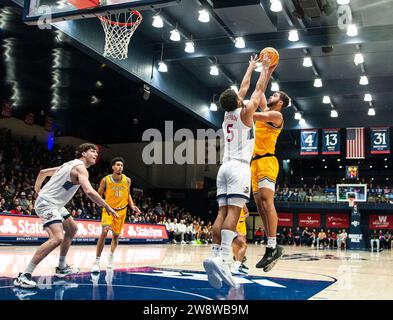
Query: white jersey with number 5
[(238, 138)]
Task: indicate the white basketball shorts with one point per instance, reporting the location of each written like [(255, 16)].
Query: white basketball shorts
[(233, 183), (50, 213)]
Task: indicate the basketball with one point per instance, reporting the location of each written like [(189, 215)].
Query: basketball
[(273, 55)]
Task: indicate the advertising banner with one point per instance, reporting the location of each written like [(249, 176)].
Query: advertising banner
[(285, 219), (381, 221), (25, 228), (337, 220), (311, 220)]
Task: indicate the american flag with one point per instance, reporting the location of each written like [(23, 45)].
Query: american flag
[(355, 143)]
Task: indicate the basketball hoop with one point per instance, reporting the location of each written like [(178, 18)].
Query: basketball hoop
[(119, 28)]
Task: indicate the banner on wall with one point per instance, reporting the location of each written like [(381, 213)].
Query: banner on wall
[(25, 228), (331, 141), (308, 142), (285, 219), (381, 221), (312, 220), (337, 220), (380, 140)]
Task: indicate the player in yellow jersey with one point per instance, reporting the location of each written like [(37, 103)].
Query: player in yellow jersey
[(264, 170), (116, 190), (239, 245)]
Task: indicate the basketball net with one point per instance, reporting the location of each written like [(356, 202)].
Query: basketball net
[(119, 28)]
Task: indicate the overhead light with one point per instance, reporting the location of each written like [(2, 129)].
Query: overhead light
[(325, 167), (213, 107), (175, 35), (234, 88), (302, 122), (162, 67), (386, 159), (318, 83), (386, 166), (94, 100), (157, 21), (340, 167), (368, 97), (371, 167), (363, 80), (203, 16), (358, 59), (293, 36), (307, 62), (333, 114), (343, 2), (352, 30), (275, 86), (371, 111), (338, 160), (326, 100), (275, 5), (323, 160), (298, 115), (214, 70), (239, 43), (190, 48)]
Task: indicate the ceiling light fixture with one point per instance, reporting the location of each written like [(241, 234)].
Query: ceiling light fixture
[(204, 16)]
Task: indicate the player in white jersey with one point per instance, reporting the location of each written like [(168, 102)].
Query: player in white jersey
[(234, 175), (57, 221)]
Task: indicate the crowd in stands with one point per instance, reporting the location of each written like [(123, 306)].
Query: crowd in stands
[(21, 161), (316, 193), (330, 239)]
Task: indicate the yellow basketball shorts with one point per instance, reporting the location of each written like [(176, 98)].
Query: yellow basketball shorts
[(116, 225), (241, 228), (264, 172)]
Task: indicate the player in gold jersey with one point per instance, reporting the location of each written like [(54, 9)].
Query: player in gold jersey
[(264, 165), (116, 190), (264, 170), (239, 245)]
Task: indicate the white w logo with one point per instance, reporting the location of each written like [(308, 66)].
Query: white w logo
[(382, 219)]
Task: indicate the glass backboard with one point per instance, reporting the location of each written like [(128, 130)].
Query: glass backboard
[(357, 191), (36, 11)]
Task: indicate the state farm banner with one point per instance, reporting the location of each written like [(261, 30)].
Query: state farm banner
[(312, 220), (285, 219), (337, 220), (30, 228), (381, 221)]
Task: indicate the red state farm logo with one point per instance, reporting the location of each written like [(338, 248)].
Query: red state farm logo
[(8, 227)]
